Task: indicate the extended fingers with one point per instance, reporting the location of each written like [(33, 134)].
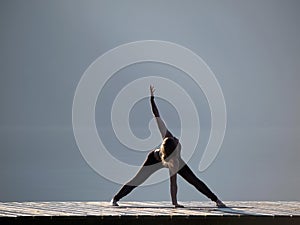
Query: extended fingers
[(152, 89)]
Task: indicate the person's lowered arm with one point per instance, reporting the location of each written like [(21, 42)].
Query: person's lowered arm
[(173, 189)]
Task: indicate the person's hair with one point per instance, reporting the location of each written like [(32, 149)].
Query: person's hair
[(170, 153), (167, 148)]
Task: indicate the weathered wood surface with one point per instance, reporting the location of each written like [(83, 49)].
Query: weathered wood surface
[(103, 209)]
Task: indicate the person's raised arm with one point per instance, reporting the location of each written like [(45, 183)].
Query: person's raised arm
[(160, 123)]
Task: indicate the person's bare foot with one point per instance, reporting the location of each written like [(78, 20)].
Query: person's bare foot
[(113, 202), (220, 204), (178, 206)]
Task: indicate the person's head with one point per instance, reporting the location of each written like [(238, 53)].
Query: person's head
[(169, 148)]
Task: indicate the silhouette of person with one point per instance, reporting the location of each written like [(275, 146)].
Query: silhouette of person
[(167, 156)]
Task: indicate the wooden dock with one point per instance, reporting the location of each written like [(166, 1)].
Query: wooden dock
[(238, 212)]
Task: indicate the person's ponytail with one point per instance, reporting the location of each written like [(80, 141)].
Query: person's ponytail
[(170, 153)]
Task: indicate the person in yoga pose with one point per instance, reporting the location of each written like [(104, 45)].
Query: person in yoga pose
[(167, 156)]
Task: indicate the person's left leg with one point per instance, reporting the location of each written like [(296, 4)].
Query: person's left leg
[(150, 166), (144, 173)]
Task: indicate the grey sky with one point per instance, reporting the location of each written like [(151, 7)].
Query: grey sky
[(252, 47)]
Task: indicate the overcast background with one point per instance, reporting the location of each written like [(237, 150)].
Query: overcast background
[(253, 47)]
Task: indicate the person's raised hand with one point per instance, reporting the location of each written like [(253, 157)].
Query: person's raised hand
[(152, 89)]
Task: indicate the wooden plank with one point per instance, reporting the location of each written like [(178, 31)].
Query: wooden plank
[(255, 208)]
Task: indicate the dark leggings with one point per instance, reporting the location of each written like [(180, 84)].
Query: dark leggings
[(151, 165)]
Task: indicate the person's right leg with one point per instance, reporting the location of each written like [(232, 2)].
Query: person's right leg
[(150, 166), (190, 177)]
